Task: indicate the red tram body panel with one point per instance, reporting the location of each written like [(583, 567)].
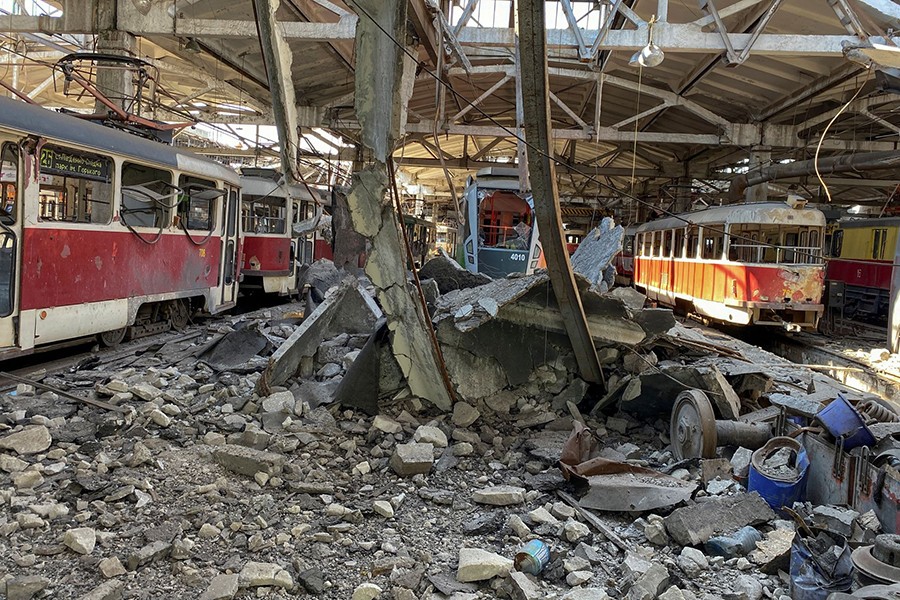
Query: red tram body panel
[(105, 233), (742, 264)]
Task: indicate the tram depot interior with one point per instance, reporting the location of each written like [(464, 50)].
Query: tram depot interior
[(549, 203)]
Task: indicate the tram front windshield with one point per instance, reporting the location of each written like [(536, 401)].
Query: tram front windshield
[(505, 221)]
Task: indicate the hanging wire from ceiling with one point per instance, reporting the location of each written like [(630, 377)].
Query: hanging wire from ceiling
[(825, 132)]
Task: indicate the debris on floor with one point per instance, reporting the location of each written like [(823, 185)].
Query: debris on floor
[(266, 458)]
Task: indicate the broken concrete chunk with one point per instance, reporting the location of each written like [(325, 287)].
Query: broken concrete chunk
[(247, 461), (366, 591), (81, 540), (148, 554), (692, 561), (649, 585), (256, 574), (523, 587), (499, 495), (30, 440), (449, 275), (835, 518), (721, 393), (109, 590), (464, 414), (586, 594), (693, 525), (222, 587), (597, 251), (476, 564), (431, 435), (412, 458), (386, 424), (25, 587)]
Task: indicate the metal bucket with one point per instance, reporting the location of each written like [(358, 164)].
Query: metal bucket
[(532, 557), (779, 491), (842, 420)]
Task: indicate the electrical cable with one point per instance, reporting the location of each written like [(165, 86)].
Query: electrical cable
[(825, 132), (513, 134)]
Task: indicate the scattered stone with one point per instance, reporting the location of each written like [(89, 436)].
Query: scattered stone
[(81, 540), (108, 590), (112, 567), (523, 588), (693, 525), (835, 518), (576, 578), (747, 588), (247, 461), (574, 531), (464, 414), (222, 587), (312, 580), (478, 565), (412, 459), (649, 585), (383, 508), (655, 531), (366, 591), (692, 561), (431, 435), (586, 594), (499, 495), (256, 574), (25, 587), (386, 424), (30, 440), (148, 554)]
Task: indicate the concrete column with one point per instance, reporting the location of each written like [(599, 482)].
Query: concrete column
[(759, 155), (383, 85), (113, 81), (683, 194)]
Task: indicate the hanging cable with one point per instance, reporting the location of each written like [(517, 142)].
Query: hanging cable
[(825, 132)]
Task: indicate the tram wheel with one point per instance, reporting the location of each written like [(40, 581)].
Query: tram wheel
[(113, 338), (179, 315)]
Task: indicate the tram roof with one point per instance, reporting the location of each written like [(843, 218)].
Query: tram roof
[(854, 223), (756, 212), (263, 186), (67, 128)]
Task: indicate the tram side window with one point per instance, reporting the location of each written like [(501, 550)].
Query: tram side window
[(657, 242), (879, 240), (667, 244), (713, 243), (264, 214), (196, 206), (647, 244), (679, 243), (147, 195), (837, 243), (76, 187), (8, 182), (693, 238)]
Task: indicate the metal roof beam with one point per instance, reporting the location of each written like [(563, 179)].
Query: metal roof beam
[(676, 37)]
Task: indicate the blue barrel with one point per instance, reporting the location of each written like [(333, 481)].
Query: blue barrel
[(776, 491), (842, 420)]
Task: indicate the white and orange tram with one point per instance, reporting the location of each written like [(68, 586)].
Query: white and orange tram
[(105, 233), (744, 264)]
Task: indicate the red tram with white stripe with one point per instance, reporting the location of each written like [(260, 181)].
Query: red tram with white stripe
[(746, 264), (105, 233), (280, 224)]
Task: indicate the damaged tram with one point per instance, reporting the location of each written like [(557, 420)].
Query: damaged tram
[(743, 264), (282, 231), (500, 230)]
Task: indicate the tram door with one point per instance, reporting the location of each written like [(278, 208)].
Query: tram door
[(11, 194), (230, 246)]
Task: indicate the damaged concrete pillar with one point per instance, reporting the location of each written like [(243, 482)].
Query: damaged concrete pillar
[(278, 59), (384, 79), (114, 81), (760, 156)]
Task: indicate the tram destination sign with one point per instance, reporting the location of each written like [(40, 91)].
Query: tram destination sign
[(60, 162)]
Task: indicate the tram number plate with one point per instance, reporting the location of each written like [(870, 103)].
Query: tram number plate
[(518, 257)]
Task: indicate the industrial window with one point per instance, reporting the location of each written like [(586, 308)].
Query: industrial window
[(837, 243), (76, 187), (879, 241), (9, 182), (264, 214), (147, 196), (196, 206)]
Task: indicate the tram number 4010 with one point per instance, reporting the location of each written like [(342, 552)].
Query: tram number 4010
[(518, 257)]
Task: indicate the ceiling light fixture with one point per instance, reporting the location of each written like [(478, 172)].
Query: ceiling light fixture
[(650, 55)]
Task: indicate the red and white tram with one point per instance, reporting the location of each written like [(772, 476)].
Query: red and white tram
[(280, 225), (746, 264), (107, 233)]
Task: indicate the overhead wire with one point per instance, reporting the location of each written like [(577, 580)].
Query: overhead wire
[(559, 161), (825, 132)]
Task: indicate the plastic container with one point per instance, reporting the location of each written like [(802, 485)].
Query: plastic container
[(739, 543), (808, 580), (842, 420), (532, 557), (778, 491)]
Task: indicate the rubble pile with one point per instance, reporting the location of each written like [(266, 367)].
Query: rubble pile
[(295, 462)]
